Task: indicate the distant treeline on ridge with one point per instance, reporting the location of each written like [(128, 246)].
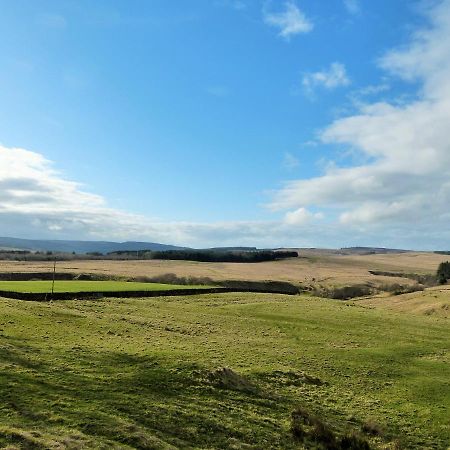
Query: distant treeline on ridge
[(243, 255), (209, 255)]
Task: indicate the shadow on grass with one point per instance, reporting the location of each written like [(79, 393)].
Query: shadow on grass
[(140, 401)]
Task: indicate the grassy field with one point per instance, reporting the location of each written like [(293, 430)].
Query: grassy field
[(87, 286), (127, 373), (312, 268)]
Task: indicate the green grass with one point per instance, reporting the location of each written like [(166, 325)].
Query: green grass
[(127, 373), (88, 286)]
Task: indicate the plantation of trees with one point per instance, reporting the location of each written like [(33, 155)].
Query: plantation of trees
[(212, 255)]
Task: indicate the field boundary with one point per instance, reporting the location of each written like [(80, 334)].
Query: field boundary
[(264, 287), (48, 276), (43, 297)]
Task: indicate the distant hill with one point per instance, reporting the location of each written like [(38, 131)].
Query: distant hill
[(372, 250), (7, 243), (232, 249)]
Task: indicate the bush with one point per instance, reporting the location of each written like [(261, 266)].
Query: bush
[(426, 279), (344, 292), (353, 441), (398, 289), (171, 278)]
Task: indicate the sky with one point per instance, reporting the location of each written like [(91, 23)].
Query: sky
[(267, 123)]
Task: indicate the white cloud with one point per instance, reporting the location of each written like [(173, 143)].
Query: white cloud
[(352, 6), (360, 94), (33, 194), (301, 216), (405, 188), (290, 21), (400, 198), (332, 78), (37, 201)]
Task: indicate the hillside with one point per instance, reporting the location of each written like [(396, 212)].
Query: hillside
[(434, 302), (149, 373), (80, 246), (311, 268)]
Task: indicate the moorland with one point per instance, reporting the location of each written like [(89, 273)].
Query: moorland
[(313, 267), (231, 370)]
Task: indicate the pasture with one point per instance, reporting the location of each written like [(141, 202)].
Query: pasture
[(134, 373), (39, 286)]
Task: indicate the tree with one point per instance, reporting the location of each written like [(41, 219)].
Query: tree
[(443, 272)]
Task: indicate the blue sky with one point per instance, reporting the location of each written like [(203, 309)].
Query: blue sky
[(206, 122)]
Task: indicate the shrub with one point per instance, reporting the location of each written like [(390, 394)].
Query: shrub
[(321, 433), (397, 289), (353, 441), (344, 292), (301, 421), (171, 278)]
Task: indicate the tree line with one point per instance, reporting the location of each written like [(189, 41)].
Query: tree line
[(210, 255)]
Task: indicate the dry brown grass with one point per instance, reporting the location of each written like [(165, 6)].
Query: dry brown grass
[(314, 267), (431, 302)]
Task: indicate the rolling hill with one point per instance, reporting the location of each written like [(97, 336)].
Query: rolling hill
[(80, 246)]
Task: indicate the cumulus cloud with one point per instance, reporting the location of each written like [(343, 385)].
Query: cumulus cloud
[(333, 77), (405, 186), (290, 21), (36, 197), (301, 216)]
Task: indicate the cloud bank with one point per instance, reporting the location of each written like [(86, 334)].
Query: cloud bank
[(37, 201), (405, 186)]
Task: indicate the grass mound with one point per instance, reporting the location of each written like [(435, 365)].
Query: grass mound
[(290, 378), (314, 432), (226, 378)]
